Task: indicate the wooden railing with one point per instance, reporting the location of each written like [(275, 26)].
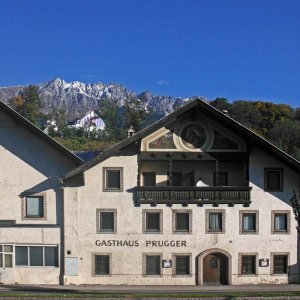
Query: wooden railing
[(193, 195)]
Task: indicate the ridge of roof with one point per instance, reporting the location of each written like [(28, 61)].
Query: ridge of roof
[(35, 130), (156, 125)]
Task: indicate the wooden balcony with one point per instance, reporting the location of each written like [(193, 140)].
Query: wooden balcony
[(185, 195)]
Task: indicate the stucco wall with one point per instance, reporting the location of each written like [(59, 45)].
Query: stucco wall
[(29, 165), (126, 261)]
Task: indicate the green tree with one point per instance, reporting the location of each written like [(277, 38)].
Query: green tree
[(135, 112), (27, 103), (221, 104)]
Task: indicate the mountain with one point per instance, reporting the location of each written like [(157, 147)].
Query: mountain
[(77, 98)]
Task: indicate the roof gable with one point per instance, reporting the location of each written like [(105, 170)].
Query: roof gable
[(207, 109), (21, 121)]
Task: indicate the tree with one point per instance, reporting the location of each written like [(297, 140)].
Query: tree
[(135, 112), (221, 104), (27, 103)]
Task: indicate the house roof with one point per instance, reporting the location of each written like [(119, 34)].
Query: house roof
[(209, 110), (35, 130)]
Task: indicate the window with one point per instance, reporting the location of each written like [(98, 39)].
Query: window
[(152, 264), (102, 264), (274, 179), (249, 222), (279, 263), (149, 178), (248, 264), (34, 207), (152, 221), (280, 222), (182, 265), (6, 252), (182, 222), (113, 179), (215, 220), (36, 256), (222, 179), (106, 221)]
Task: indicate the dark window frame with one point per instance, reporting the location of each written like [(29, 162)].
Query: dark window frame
[(266, 180), (280, 270), (99, 221), (209, 212), (245, 213), (145, 179), (107, 188), (94, 258), (176, 272), (177, 230), (43, 210), (244, 258), (287, 215), (146, 272), (147, 212)]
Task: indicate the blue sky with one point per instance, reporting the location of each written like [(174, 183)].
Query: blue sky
[(236, 49)]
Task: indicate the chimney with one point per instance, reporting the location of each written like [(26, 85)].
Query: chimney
[(130, 131)]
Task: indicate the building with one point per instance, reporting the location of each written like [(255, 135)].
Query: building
[(31, 201), (195, 198), (90, 121)]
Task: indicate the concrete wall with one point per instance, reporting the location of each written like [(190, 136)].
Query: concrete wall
[(127, 261)]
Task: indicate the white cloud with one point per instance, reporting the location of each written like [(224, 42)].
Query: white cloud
[(163, 82)]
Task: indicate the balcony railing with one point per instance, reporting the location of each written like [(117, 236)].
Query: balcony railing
[(185, 195)]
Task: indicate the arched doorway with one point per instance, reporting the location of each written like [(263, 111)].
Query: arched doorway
[(214, 267)]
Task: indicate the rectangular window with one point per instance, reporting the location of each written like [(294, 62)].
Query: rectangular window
[(149, 178), (102, 264), (153, 265), (249, 222), (112, 179), (153, 221), (36, 256), (182, 222), (274, 179), (34, 207), (280, 264), (215, 221), (223, 179), (182, 265), (280, 222), (248, 266), (6, 252), (106, 221)]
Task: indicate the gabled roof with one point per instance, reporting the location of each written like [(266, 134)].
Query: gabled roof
[(35, 130), (209, 110)]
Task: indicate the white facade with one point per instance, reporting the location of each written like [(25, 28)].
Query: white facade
[(237, 252), (134, 215)]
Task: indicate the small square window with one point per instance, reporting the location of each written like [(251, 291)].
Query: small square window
[(152, 265), (113, 179), (106, 221), (182, 221), (182, 265), (215, 221), (280, 222), (34, 207), (274, 179), (248, 265), (280, 263), (149, 178), (6, 256), (102, 264), (152, 221)]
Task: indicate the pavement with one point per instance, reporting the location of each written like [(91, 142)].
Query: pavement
[(129, 290)]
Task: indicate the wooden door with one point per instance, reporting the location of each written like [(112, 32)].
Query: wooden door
[(215, 269)]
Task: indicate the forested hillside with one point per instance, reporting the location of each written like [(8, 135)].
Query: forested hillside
[(278, 123)]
